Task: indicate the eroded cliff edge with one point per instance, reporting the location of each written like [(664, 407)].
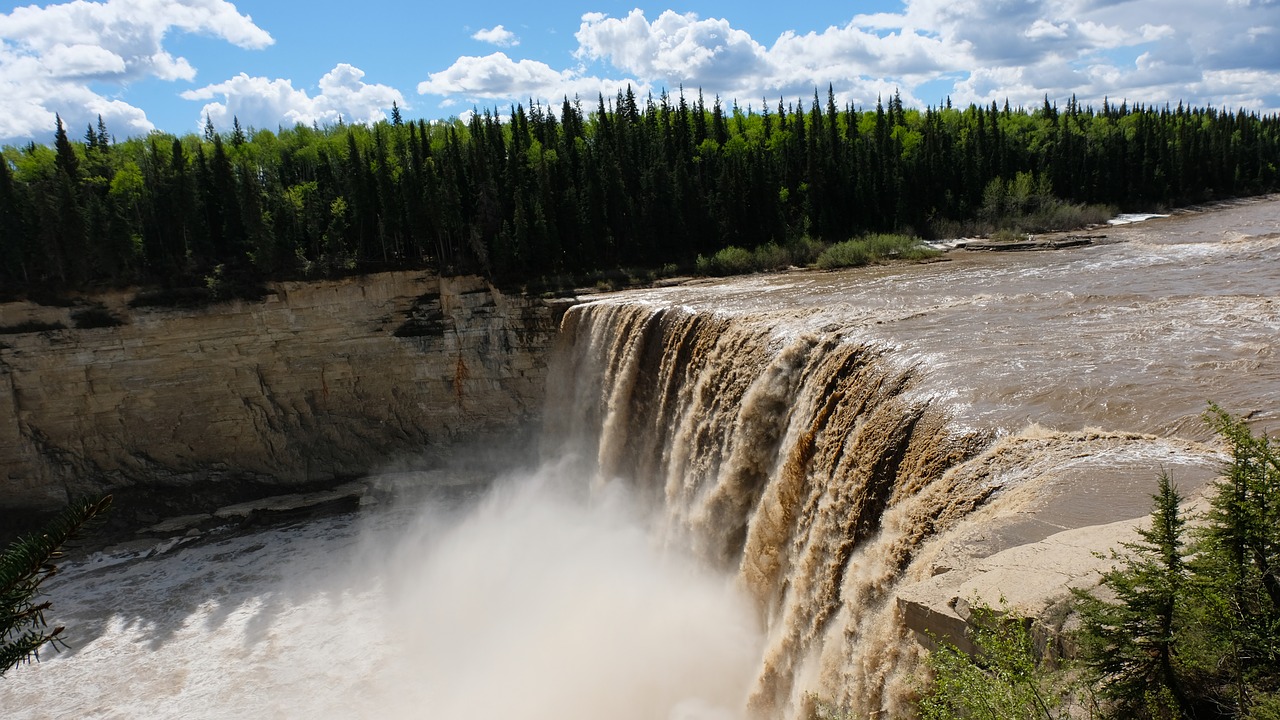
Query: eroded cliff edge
[(317, 381)]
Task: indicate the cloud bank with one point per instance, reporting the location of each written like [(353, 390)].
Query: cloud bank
[(264, 102), (1198, 51), (79, 58), (49, 56)]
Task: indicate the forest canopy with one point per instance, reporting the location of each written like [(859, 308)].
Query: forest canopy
[(533, 193)]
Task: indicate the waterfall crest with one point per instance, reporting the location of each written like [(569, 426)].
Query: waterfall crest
[(811, 464)]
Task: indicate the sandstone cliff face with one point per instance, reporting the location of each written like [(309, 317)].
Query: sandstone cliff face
[(317, 381)]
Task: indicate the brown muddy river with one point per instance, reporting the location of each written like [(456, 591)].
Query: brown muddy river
[(1136, 333)]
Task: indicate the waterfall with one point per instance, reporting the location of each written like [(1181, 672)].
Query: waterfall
[(757, 493), (811, 465)]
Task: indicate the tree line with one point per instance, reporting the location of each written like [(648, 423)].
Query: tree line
[(632, 182)]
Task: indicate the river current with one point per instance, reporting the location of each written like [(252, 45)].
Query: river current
[(735, 479)]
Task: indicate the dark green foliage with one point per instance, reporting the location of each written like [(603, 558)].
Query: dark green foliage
[(24, 567), (1235, 570), (1186, 625), (850, 253), (1194, 629), (873, 248), (638, 182), (1026, 204), (732, 260), (1129, 643), (1003, 680)]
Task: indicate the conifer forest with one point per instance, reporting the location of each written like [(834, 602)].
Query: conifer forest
[(530, 193)]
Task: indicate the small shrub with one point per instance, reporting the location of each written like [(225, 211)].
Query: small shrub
[(771, 256), (872, 248), (946, 229), (885, 245), (1005, 679), (806, 250), (1008, 235), (850, 253), (919, 251), (732, 260)]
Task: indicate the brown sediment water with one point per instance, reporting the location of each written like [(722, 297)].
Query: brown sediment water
[(813, 431), (740, 475)]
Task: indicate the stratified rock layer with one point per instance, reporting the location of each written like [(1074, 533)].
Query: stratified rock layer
[(317, 381)]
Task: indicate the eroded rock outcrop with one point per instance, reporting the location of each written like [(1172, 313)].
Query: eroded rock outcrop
[(315, 382)]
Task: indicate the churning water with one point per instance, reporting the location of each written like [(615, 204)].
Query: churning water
[(739, 475)]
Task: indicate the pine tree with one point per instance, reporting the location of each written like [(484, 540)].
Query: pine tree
[(65, 212), (1131, 642), (1236, 564), (24, 567), (15, 263)]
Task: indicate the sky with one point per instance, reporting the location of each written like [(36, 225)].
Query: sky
[(145, 65)]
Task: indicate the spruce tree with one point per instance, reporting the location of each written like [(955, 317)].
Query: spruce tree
[(14, 242), (24, 567), (1130, 643), (1236, 563)]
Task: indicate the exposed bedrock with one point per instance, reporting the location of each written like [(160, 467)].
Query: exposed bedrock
[(317, 381)]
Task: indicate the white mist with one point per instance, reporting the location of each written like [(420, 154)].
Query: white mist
[(536, 602)]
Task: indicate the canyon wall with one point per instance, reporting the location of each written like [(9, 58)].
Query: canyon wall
[(316, 381)]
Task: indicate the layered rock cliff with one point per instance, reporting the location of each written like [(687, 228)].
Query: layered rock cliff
[(316, 381)]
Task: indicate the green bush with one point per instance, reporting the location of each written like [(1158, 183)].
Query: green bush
[(873, 248), (1008, 235), (1003, 680), (806, 250), (901, 247), (732, 260), (850, 253), (771, 256)]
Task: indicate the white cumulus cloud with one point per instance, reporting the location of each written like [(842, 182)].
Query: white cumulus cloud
[(1203, 52), (678, 48), (28, 98), (497, 35), (49, 54), (266, 103), (498, 77), (82, 60)]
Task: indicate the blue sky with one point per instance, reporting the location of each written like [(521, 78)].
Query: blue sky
[(165, 64)]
